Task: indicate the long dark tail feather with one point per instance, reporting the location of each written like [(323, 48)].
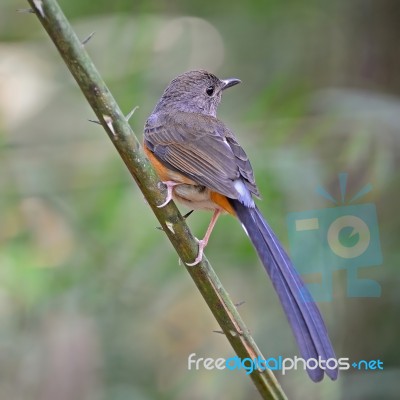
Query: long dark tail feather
[(302, 312)]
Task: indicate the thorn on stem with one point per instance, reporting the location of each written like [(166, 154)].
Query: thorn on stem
[(39, 6), (128, 117), (188, 214), (170, 226), (109, 123), (26, 11), (85, 41)]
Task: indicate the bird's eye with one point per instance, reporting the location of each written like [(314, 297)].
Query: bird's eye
[(210, 90)]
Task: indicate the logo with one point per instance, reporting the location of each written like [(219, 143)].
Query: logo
[(344, 237), (280, 364)]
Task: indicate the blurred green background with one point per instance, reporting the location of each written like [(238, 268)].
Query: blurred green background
[(93, 302)]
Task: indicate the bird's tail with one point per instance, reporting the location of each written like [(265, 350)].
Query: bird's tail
[(302, 312)]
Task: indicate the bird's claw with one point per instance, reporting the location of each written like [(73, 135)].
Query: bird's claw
[(202, 245), (170, 185)]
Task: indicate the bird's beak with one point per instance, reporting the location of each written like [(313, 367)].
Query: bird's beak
[(227, 83)]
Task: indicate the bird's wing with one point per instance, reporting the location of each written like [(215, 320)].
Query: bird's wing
[(201, 148)]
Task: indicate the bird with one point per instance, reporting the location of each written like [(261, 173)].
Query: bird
[(203, 166)]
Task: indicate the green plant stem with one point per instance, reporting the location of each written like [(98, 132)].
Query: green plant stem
[(114, 122)]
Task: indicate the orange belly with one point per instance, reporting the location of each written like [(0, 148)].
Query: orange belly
[(189, 192)]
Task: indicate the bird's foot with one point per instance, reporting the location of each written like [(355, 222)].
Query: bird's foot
[(202, 245), (170, 186)]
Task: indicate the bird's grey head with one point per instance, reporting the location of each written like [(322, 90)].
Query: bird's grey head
[(194, 91)]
